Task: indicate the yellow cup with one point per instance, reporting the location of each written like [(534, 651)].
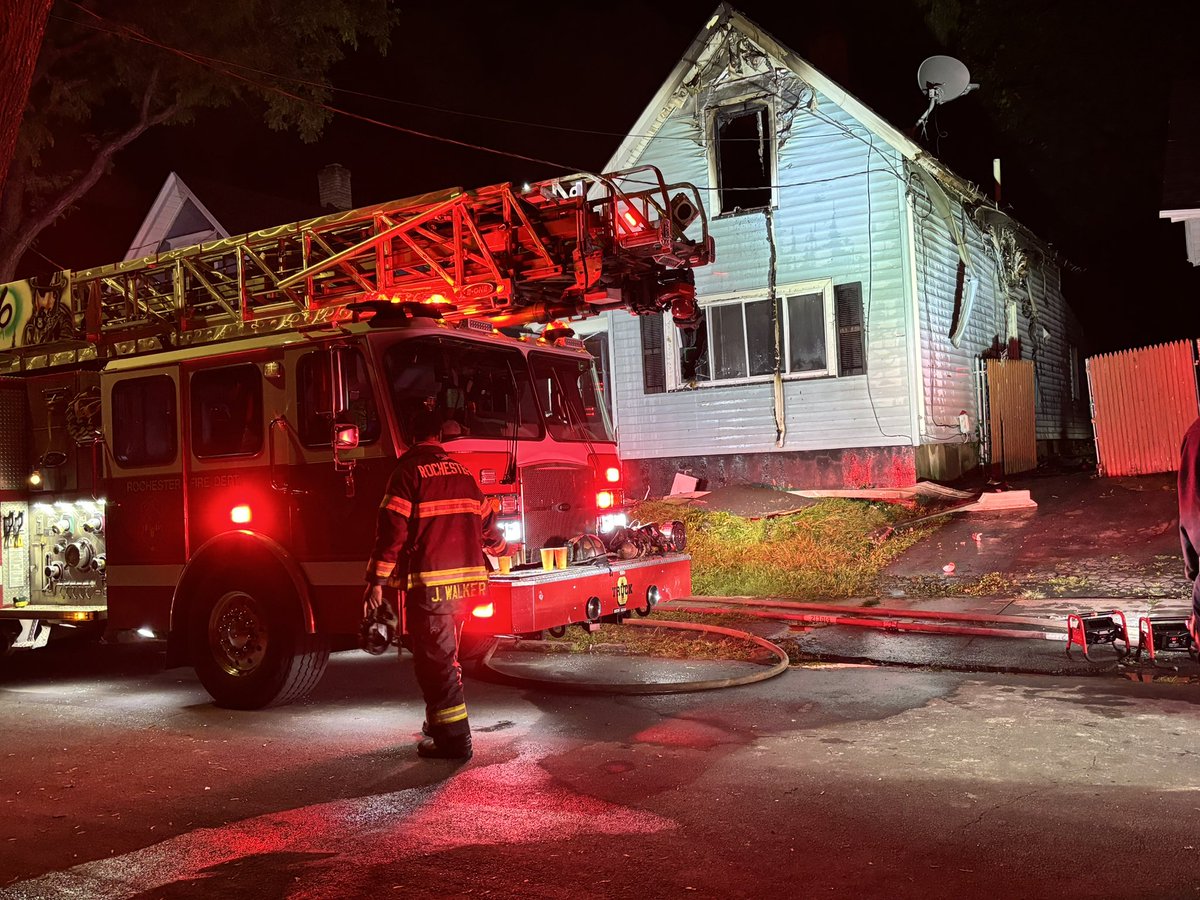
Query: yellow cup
[(547, 558), (504, 564), (560, 557)]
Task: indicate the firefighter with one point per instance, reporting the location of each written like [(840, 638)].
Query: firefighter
[(433, 527), (1189, 517)]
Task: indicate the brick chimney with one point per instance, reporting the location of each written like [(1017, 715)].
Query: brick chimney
[(333, 181)]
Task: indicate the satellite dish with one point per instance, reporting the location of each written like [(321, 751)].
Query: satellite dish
[(942, 79)]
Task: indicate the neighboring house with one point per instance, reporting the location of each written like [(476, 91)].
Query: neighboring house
[(177, 218), (1181, 173), (892, 278)]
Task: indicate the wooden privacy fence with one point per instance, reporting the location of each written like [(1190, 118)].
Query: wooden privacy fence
[(1142, 403), (1012, 419)]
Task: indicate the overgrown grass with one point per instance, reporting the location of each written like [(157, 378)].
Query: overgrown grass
[(829, 550)]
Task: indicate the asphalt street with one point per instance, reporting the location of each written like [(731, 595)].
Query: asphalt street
[(121, 780)]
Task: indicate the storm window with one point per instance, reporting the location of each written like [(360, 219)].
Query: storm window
[(742, 147)]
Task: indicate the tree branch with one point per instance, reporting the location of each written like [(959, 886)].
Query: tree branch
[(28, 232)]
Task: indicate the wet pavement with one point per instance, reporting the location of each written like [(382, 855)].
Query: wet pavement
[(1089, 537), (121, 780)]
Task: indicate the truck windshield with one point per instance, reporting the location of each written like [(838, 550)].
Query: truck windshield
[(572, 404), (480, 391)]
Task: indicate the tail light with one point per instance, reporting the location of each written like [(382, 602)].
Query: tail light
[(605, 499), (612, 474)]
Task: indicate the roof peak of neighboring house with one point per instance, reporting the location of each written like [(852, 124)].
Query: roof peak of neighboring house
[(175, 217), (709, 42)]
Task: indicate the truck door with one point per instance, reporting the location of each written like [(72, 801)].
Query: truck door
[(336, 496), (145, 510)]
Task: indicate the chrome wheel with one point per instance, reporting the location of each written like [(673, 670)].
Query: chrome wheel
[(238, 633)]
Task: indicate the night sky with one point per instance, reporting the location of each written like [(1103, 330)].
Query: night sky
[(1073, 98)]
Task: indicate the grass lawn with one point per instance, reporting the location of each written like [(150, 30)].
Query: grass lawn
[(826, 551)]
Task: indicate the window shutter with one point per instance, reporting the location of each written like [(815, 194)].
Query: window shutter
[(654, 372), (852, 353)]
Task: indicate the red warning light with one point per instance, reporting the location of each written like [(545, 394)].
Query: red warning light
[(605, 499), (612, 474), (484, 611), (240, 515)]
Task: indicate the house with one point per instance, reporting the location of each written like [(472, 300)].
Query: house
[(1181, 174), (858, 285)]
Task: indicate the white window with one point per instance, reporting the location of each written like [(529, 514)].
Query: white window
[(738, 344)]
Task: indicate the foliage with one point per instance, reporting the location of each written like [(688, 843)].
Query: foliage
[(108, 72), (830, 549)]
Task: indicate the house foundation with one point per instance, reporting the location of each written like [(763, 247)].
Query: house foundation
[(851, 468)]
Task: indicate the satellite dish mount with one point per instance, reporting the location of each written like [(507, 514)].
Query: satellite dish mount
[(942, 79)]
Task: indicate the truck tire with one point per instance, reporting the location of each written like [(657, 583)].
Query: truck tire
[(248, 644)]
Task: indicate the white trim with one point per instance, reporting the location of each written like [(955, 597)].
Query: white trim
[(161, 216), (916, 376), (821, 286), (1179, 215)]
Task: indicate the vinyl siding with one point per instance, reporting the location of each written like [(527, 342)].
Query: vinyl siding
[(946, 371), (825, 228)]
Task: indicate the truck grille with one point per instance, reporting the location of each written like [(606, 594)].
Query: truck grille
[(557, 503)]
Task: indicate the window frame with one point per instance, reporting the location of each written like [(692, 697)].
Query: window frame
[(714, 115), (193, 419), (822, 286), (120, 385), (358, 351)]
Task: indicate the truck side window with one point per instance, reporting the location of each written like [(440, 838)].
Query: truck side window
[(143, 417), (314, 398), (227, 411)]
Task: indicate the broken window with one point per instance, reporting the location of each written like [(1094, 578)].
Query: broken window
[(741, 337), (743, 157)]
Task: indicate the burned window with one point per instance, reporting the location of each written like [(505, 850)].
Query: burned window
[(227, 411), (314, 398), (741, 337), (743, 157), (143, 417)]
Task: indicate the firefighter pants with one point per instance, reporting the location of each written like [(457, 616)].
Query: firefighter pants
[(434, 638)]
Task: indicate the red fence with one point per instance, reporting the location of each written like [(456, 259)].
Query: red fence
[(1142, 403)]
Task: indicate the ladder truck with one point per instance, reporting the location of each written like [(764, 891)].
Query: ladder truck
[(195, 443)]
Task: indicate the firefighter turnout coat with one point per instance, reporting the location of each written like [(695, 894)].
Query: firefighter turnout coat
[(434, 525)]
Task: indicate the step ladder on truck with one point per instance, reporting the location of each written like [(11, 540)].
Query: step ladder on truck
[(196, 442)]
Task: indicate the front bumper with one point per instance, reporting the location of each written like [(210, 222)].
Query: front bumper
[(531, 600)]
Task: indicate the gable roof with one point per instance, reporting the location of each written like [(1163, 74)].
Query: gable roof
[(176, 218), (709, 41)]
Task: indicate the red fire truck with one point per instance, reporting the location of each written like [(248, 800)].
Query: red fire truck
[(197, 442)]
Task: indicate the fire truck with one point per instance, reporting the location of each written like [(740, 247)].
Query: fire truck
[(196, 443)]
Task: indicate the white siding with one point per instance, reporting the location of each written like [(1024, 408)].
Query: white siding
[(947, 382), (821, 230)]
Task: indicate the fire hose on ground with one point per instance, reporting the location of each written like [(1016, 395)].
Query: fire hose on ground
[(780, 665)]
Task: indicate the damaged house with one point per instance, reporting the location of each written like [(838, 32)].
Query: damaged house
[(859, 292)]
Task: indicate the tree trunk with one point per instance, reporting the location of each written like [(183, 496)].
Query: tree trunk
[(20, 40)]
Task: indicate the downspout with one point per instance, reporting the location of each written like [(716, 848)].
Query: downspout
[(777, 328)]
